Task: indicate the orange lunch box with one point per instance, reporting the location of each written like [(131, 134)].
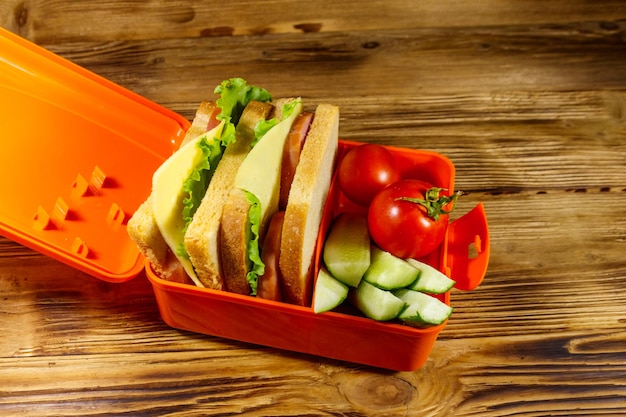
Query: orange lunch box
[(78, 154)]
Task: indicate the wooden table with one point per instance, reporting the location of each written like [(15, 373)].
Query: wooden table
[(528, 99)]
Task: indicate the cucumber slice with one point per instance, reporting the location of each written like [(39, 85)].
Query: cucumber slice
[(375, 303), (430, 279), (347, 249), (422, 309), (329, 292), (389, 272)]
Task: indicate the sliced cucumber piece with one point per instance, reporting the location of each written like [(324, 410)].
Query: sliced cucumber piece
[(376, 303), (347, 248), (389, 272), (430, 279), (422, 309), (329, 292)]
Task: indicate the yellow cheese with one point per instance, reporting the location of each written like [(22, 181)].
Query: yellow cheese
[(259, 173), (168, 194)]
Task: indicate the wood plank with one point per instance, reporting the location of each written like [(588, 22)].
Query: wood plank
[(201, 383), (66, 21), (339, 65), (526, 98), (511, 376)]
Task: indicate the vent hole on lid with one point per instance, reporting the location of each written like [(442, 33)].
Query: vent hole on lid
[(98, 180), (116, 217), (42, 220), (475, 248), (61, 210), (80, 248), (472, 251), (80, 188)]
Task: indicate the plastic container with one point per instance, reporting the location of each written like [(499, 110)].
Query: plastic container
[(337, 335), (78, 153)]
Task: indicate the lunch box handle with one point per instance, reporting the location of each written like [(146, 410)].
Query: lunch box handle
[(468, 249)]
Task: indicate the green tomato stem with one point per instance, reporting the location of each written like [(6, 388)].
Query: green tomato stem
[(434, 203)]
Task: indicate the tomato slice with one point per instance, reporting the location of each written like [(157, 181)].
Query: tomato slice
[(291, 155), (269, 284), (176, 272), (213, 122)]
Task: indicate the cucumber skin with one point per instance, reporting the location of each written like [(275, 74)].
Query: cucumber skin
[(389, 272), (347, 249), (417, 305), (330, 288), (376, 303), (378, 297), (430, 279)]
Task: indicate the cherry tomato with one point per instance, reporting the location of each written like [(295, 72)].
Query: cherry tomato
[(409, 218), (365, 170)]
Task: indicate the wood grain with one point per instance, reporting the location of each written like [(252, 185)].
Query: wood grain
[(418, 60), (528, 99), (63, 21)]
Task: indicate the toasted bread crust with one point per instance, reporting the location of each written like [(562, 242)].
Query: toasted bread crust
[(202, 237), (142, 227), (234, 239), (143, 230), (200, 121), (306, 204)]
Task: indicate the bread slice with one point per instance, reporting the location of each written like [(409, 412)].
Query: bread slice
[(202, 237), (142, 227), (235, 233), (200, 122), (143, 230), (234, 238), (306, 203)]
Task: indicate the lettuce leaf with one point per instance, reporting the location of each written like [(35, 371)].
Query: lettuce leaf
[(235, 94), (196, 185), (257, 267), (264, 126)]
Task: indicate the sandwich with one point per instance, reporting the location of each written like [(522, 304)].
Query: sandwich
[(274, 260), (253, 227), (160, 223)]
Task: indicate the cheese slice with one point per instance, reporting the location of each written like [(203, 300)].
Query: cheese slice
[(259, 173), (168, 194)]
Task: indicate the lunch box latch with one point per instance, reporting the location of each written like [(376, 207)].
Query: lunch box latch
[(468, 248)]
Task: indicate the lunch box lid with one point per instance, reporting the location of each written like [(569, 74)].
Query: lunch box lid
[(77, 158)]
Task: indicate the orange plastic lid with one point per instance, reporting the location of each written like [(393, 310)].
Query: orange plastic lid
[(77, 158)]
